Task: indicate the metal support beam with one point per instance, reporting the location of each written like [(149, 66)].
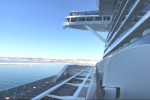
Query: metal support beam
[(96, 34)]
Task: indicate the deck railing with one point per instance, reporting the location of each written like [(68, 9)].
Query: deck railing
[(47, 93)]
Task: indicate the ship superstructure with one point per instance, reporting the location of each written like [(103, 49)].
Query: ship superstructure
[(123, 72), (97, 22), (125, 69)]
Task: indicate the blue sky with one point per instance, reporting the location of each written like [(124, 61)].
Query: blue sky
[(33, 28)]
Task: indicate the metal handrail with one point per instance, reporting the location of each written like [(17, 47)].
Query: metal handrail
[(40, 96), (81, 86)]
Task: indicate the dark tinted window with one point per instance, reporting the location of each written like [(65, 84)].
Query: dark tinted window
[(95, 13), (135, 19), (81, 19), (67, 20), (73, 14), (106, 18), (98, 18), (73, 19), (89, 19), (89, 13)]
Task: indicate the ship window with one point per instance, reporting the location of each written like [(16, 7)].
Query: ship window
[(73, 14), (81, 19), (135, 20), (89, 13), (68, 20), (123, 18), (81, 13), (98, 18), (73, 19), (95, 13), (106, 18), (142, 13), (89, 18)]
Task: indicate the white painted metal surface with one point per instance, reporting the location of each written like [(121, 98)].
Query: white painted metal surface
[(128, 70), (110, 93), (96, 34)]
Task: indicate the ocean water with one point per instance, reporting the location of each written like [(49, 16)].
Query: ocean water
[(12, 75)]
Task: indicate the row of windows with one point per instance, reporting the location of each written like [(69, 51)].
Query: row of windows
[(80, 19), (84, 13)]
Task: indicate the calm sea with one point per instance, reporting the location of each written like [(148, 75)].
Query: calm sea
[(12, 75)]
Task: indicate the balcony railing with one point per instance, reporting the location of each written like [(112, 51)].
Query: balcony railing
[(96, 12)]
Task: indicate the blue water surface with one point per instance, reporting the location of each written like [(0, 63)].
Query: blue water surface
[(12, 75)]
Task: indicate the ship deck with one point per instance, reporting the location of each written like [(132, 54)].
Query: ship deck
[(70, 86), (27, 95)]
